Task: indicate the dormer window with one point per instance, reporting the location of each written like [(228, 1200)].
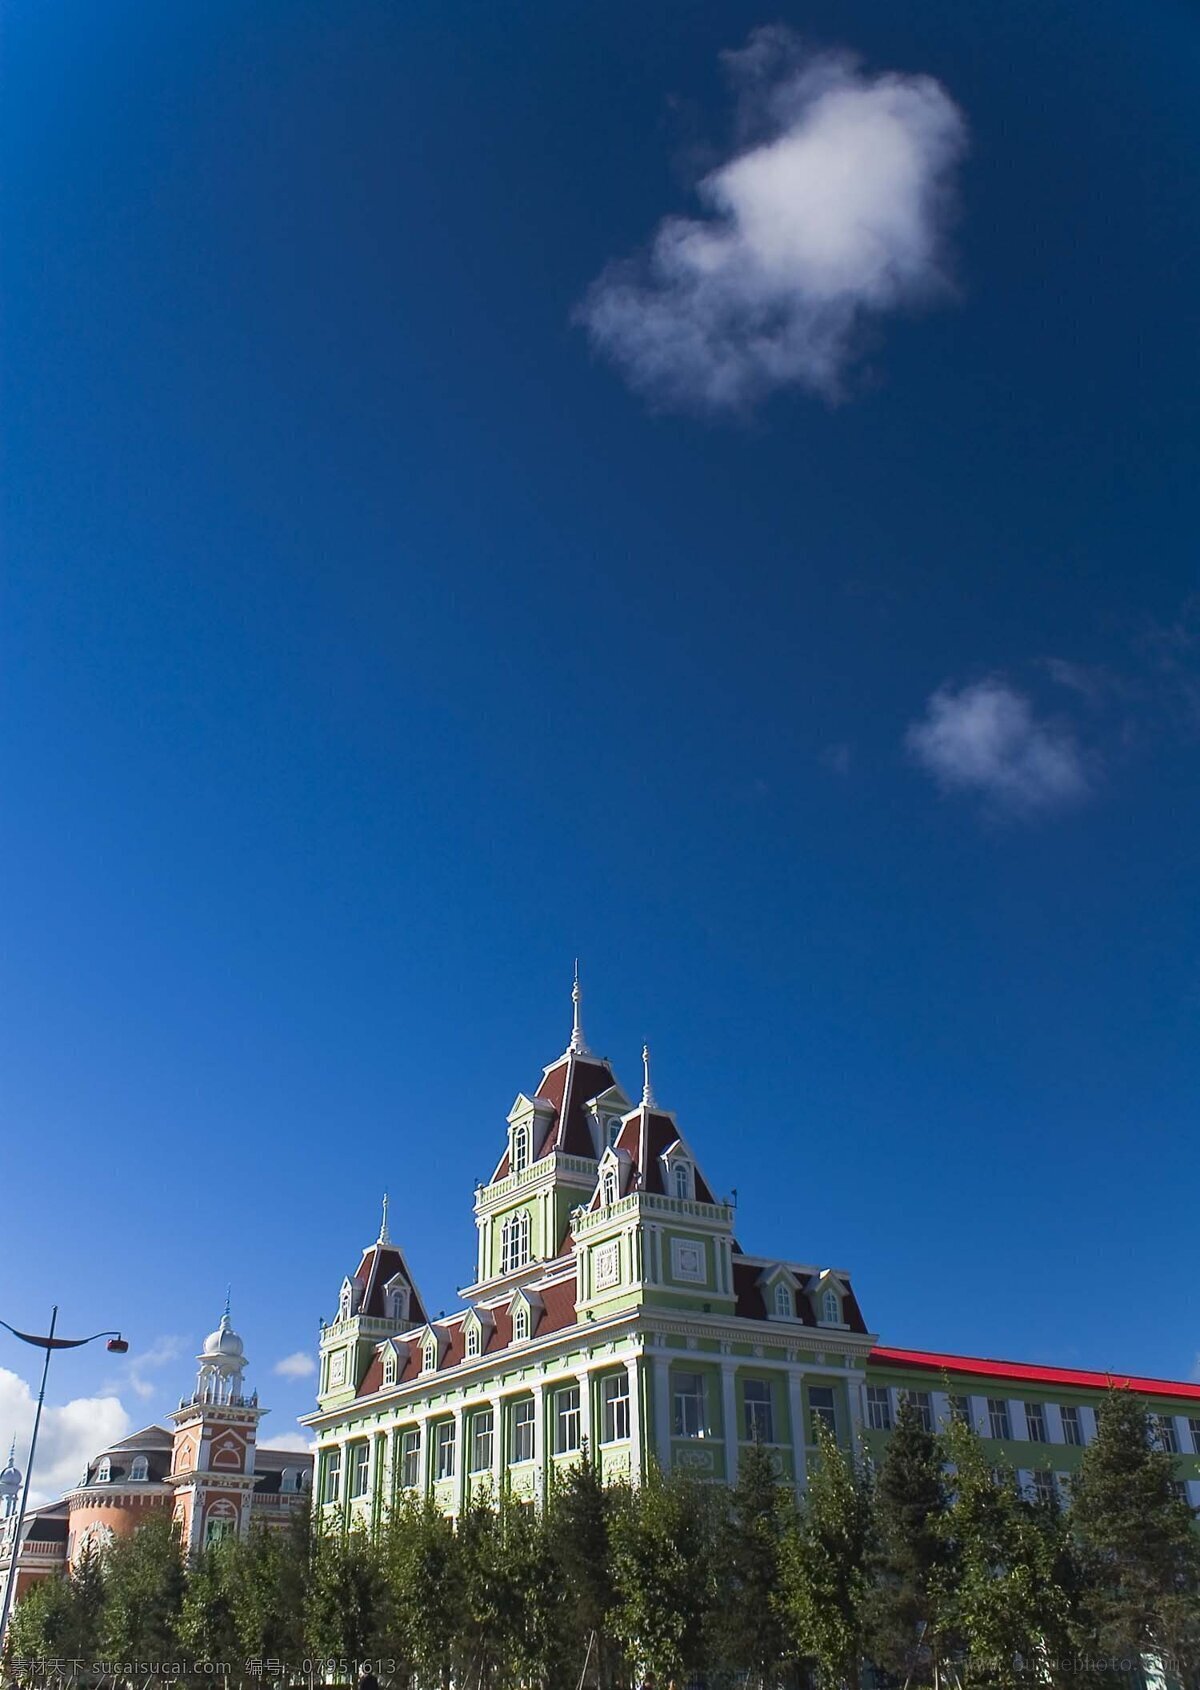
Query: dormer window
[(612, 1128), (783, 1300), (429, 1356), (609, 1188), (344, 1303), (103, 1471), (520, 1149), (472, 1342), (389, 1367), (520, 1323), (139, 1469), (831, 1308), (683, 1181)]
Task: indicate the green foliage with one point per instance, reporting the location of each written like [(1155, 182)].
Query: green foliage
[(663, 1573), (1138, 1549), (905, 1609), (347, 1597), (578, 1525), (828, 1556), (419, 1556), (144, 1583), (271, 1595), (746, 1631), (208, 1627), (1002, 1601)]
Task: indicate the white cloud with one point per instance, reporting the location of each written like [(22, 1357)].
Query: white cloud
[(68, 1438), (299, 1365), (289, 1440), (985, 740), (833, 215), (148, 1360)]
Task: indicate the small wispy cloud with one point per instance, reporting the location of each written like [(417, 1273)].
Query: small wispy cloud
[(833, 214), (290, 1440), (986, 741), (137, 1369), (299, 1365)]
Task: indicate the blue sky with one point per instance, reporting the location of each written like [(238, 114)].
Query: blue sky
[(473, 496)]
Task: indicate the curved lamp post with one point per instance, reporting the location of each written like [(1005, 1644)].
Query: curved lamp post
[(48, 1343)]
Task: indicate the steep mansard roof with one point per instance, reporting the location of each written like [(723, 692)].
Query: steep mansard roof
[(646, 1137), (380, 1263), (569, 1085), (751, 1304)]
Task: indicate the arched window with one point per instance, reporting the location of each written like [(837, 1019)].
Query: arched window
[(139, 1468), (520, 1322), (398, 1306), (514, 1242), (472, 1342), (389, 1367), (611, 1190), (344, 1304), (831, 1308), (429, 1357), (783, 1298), (683, 1180), (104, 1471), (520, 1150)]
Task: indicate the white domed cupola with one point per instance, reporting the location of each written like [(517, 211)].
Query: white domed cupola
[(222, 1363), (10, 1484)]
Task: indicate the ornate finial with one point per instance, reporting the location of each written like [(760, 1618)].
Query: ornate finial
[(228, 1295), (578, 1043), (647, 1092), (383, 1226)]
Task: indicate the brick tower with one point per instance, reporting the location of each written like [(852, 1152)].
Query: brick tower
[(212, 1458)]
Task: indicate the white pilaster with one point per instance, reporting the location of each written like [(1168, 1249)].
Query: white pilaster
[(729, 1425), (799, 1426), (635, 1420), (662, 1411)]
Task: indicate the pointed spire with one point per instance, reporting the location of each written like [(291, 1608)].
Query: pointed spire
[(384, 1237), (228, 1294), (578, 1045), (647, 1090)]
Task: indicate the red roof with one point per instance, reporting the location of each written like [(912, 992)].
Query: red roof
[(928, 1361), (569, 1085)]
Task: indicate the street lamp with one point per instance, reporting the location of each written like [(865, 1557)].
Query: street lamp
[(115, 1343)]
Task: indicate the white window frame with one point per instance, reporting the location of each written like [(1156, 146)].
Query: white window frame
[(521, 1324), (1194, 1432), (689, 1404), (879, 1408), (473, 1342), (429, 1356), (514, 1241), (758, 1411), (389, 1367), (785, 1300), (1035, 1423), (1166, 1438), (922, 1402), (614, 1399), (332, 1491), (831, 1307), (443, 1449), (681, 1181), (103, 1471), (360, 1469), (483, 1440), (410, 1458), (139, 1470), (568, 1421), (520, 1149), (1072, 1425), (522, 1431), (824, 1411), (998, 1416), (610, 1188)]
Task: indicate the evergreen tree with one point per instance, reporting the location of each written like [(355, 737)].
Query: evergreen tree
[(746, 1632), (347, 1619), (144, 1583), (271, 1594), (662, 1537), (41, 1624), (1004, 1608), (1138, 1548), (905, 1605), (826, 1567), (578, 1518)]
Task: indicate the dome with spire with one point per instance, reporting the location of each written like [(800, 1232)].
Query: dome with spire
[(10, 1478)]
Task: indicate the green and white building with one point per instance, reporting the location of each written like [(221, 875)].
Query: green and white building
[(612, 1308)]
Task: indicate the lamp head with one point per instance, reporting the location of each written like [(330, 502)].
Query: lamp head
[(118, 1345)]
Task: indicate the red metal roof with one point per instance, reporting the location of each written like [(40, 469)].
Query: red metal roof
[(929, 1361)]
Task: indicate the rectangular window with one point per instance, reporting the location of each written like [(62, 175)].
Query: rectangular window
[(821, 1408), (566, 1420), (410, 1459), (1035, 1422), (614, 1394), (443, 1450), (333, 1476), (960, 1408), (690, 1418), (481, 1440), (759, 1411), (360, 1469), (1072, 1430), (1045, 1488), (879, 1408), (522, 1430), (1194, 1429), (922, 1402), (998, 1421), (1163, 1428)]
